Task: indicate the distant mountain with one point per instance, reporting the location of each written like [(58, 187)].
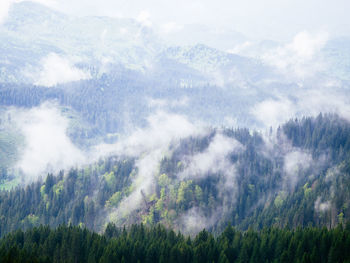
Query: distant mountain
[(33, 31), (107, 76), (337, 52), (97, 44), (193, 34)]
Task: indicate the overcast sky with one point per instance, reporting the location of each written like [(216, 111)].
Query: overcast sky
[(274, 19)]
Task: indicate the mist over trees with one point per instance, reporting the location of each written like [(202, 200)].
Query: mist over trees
[(118, 145), (287, 180)]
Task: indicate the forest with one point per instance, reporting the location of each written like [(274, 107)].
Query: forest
[(138, 243), (263, 192), (174, 131)]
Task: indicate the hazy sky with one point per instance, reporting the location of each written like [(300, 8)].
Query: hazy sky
[(276, 19)]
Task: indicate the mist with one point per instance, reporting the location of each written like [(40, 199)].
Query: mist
[(57, 70), (149, 145), (47, 147), (94, 82)]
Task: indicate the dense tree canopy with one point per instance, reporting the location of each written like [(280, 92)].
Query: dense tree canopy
[(157, 244)]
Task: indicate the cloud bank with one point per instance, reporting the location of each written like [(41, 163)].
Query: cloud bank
[(4, 8), (295, 162), (47, 146), (320, 206), (301, 57), (149, 145), (213, 160), (310, 102), (57, 70)]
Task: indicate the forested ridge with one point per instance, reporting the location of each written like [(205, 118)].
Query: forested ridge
[(158, 244), (261, 196), (132, 134)]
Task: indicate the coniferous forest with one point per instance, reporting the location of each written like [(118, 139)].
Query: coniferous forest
[(157, 244), (289, 226), (174, 131)]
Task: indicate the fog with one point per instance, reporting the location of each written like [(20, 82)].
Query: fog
[(272, 58), (149, 145), (271, 19), (47, 147), (57, 70)]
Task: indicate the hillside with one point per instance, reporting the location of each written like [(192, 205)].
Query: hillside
[(157, 244), (298, 176), (184, 131)]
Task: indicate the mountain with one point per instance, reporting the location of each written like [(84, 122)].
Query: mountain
[(33, 31), (337, 52), (297, 177), (192, 34), (102, 121), (111, 75)]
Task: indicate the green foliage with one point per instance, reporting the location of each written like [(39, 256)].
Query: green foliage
[(163, 180), (248, 199), (110, 179), (114, 200), (185, 192), (139, 243), (10, 184), (198, 193), (307, 190), (33, 220), (58, 187), (278, 201)]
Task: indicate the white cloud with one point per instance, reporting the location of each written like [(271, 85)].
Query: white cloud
[(162, 129), (47, 146), (273, 112), (56, 70), (240, 48), (171, 27), (213, 159), (194, 220), (123, 31), (295, 162), (149, 145), (300, 57), (4, 8), (144, 18), (322, 206)]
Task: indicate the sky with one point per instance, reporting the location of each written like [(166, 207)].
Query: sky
[(268, 19)]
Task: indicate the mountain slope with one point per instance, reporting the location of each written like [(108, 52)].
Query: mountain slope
[(250, 183)]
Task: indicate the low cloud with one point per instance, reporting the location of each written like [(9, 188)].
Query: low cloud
[(56, 69), (240, 48), (47, 145), (298, 58), (4, 8), (171, 27), (144, 18), (295, 163), (149, 145), (273, 112), (311, 102), (216, 160), (194, 220), (322, 206), (213, 160)]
